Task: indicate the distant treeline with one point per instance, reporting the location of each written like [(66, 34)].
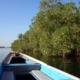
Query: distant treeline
[(2, 47), (55, 30)]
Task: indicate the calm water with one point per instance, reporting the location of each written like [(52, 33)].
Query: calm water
[(71, 66), (3, 53)]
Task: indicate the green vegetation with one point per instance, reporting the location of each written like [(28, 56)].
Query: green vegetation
[(55, 30)]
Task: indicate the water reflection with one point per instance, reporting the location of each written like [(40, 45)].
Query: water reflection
[(71, 65)]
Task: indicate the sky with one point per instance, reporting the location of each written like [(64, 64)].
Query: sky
[(15, 18)]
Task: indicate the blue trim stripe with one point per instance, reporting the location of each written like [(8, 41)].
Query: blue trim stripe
[(55, 75), (28, 62)]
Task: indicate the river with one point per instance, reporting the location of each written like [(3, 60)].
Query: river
[(71, 66)]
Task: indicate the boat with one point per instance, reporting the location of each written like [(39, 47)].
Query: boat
[(23, 67)]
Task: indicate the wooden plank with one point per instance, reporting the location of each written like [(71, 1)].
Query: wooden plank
[(40, 75)]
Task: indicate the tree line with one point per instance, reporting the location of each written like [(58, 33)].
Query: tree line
[(55, 30)]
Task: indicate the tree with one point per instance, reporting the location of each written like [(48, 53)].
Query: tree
[(20, 36), (65, 40)]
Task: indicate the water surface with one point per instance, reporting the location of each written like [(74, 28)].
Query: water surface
[(3, 53)]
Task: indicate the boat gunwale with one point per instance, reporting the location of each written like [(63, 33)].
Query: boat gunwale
[(53, 68)]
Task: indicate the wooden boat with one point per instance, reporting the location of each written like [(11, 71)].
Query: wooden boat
[(24, 67)]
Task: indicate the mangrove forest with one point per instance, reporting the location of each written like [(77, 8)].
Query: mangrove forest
[(54, 30)]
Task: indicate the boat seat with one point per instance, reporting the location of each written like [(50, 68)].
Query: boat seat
[(7, 75), (21, 67)]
